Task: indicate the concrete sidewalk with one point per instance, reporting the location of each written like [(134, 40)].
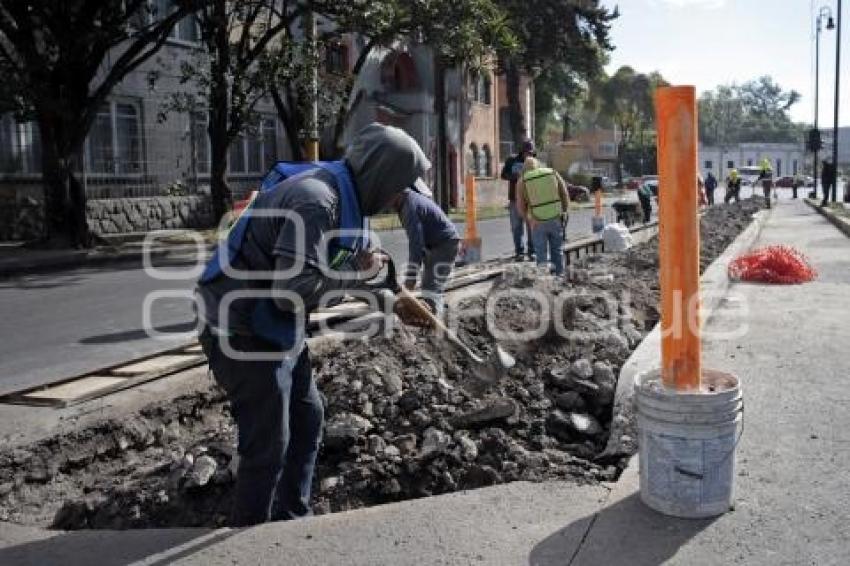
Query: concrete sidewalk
[(792, 504)]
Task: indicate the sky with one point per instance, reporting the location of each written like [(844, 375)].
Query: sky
[(710, 42)]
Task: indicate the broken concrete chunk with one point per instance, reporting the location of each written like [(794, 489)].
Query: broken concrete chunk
[(202, 472), (492, 411), (392, 383), (434, 442), (582, 368), (344, 429), (570, 401), (603, 374)]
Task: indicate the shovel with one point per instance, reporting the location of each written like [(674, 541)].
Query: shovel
[(485, 371)]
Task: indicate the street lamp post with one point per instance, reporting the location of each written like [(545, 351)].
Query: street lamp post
[(835, 117), (823, 12)]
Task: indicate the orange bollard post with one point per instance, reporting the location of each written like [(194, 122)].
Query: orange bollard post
[(597, 203), (471, 240), (678, 238)]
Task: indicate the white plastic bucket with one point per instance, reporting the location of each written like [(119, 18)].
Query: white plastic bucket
[(687, 444)]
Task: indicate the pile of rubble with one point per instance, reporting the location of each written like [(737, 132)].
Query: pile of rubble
[(401, 419)]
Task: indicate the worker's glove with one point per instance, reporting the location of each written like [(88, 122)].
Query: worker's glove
[(368, 263), (409, 310)]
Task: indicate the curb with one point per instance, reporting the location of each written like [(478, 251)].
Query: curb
[(73, 259), (714, 284), (840, 222)]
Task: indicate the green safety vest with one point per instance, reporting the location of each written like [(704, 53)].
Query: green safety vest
[(541, 190)]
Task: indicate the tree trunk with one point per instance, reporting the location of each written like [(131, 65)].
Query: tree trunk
[(287, 118), (64, 196), (219, 144), (517, 122), (442, 161)]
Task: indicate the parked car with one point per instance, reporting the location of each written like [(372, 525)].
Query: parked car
[(578, 193), (632, 183)]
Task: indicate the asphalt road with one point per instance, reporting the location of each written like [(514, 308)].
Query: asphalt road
[(59, 325)]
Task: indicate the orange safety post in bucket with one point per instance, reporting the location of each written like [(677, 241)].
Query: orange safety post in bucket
[(678, 228), (597, 203), (471, 240)]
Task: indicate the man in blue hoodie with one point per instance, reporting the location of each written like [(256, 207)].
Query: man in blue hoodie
[(433, 243), (293, 245)]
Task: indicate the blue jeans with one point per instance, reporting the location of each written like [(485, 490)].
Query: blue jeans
[(278, 413), (437, 267), (517, 222), (549, 240)]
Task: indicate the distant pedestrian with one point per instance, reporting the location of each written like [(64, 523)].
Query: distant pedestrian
[(511, 173), (766, 178), (432, 240), (710, 185), (733, 187), (701, 198), (827, 179), (645, 198), (796, 183), (543, 200)]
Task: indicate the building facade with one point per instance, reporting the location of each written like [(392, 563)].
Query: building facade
[(785, 158)]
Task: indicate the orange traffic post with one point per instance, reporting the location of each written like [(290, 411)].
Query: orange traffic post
[(471, 212), (678, 238), (471, 240), (597, 203)]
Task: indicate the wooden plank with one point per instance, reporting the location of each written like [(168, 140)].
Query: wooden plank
[(158, 363), (194, 349), (61, 394)]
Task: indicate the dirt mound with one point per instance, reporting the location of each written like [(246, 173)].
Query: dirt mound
[(401, 417)]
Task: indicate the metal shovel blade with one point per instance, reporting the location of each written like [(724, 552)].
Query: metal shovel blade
[(485, 373)]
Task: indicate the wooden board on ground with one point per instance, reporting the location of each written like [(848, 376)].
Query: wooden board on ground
[(155, 364), (70, 391), (193, 349)]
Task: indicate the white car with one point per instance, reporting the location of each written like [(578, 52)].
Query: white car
[(749, 174)]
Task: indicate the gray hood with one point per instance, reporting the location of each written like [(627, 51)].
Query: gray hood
[(385, 161)]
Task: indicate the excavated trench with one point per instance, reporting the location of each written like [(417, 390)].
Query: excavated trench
[(401, 421)]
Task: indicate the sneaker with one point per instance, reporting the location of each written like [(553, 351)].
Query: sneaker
[(519, 257)]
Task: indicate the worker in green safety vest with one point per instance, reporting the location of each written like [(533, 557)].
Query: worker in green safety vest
[(543, 201)]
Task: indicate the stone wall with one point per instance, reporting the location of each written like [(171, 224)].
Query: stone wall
[(21, 213), (124, 215)]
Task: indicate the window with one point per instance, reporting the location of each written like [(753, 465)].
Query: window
[(254, 152), (778, 166), (20, 146), (607, 149), (269, 143), (398, 73), (749, 162), (336, 58), (794, 167), (730, 164), (114, 144), (481, 85), (472, 159), (201, 143), (708, 164), (488, 161), (185, 30)]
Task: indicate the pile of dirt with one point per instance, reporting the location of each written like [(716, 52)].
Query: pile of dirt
[(403, 418)]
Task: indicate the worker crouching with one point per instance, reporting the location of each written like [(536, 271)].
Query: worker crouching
[(298, 243)]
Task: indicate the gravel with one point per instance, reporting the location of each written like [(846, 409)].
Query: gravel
[(401, 421)]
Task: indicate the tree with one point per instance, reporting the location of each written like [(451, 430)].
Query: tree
[(625, 99), (60, 61), (756, 111), (552, 31), (557, 94)]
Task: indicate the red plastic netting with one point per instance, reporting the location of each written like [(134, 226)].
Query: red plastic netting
[(772, 264)]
